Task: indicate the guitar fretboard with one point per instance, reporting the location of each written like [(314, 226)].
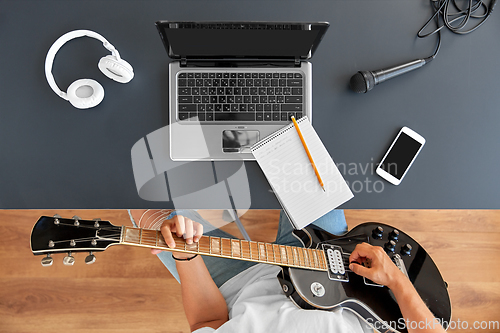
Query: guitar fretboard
[(275, 254)]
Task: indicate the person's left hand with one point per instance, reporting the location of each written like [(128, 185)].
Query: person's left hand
[(182, 226)]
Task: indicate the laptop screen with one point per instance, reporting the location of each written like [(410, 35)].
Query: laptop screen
[(241, 40)]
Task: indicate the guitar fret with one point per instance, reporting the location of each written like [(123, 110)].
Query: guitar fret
[(289, 254), (215, 245), (295, 258), (310, 257), (225, 244), (244, 249), (284, 258), (146, 237), (235, 248), (270, 252), (203, 245), (322, 259), (253, 247), (306, 258), (262, 251), (315, 258), (276, 251), (131, 235), (156, 238)]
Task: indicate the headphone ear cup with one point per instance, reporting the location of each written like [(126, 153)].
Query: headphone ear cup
[(118, 70), (85, 93)]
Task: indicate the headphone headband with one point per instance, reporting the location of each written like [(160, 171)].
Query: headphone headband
[(49, 60)]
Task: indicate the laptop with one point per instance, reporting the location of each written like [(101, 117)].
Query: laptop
[(232, 84)]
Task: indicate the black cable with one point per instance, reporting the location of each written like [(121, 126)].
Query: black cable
[(443, 14)]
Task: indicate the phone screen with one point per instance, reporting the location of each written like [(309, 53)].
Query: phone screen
[(400, 156)]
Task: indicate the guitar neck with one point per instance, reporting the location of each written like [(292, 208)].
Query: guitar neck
[(268, 253)]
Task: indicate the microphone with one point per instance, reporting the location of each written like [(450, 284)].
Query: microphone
[(364, 81)]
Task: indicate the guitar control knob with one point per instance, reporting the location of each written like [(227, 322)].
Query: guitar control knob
[(90, 259), (69, 260), (390, 246), (377, 232), (406, 249), (394, 235), (47, 261)]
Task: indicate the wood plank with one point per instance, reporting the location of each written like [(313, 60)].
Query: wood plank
[(58, 304)]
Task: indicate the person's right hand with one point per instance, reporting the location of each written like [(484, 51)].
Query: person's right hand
[(373, 263)]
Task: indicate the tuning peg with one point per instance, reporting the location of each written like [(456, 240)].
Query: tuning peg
[(90, 259), (56, 219), (96, 223), (77, 220), (47, 261), (69, 260)]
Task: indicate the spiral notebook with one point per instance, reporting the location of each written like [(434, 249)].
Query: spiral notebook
[(284, 161)]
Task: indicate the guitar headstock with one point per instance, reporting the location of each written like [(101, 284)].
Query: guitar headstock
[(61, 235)]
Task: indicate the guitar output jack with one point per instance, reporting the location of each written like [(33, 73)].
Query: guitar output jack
[(317, 289)]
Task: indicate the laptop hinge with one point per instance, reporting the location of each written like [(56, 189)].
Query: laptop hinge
[(184, 62)]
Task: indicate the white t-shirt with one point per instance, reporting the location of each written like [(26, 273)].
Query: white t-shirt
[(257, 304)]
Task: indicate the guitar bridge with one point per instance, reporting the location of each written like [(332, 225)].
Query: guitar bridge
[(336, 267)]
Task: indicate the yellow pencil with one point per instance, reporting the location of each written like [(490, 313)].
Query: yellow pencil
[(308, 153)]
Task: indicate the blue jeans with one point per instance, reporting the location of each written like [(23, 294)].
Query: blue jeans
[(222, 269)]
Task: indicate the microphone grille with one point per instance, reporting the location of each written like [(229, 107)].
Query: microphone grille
[(362, 82)]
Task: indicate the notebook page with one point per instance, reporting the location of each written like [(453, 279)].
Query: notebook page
[(284, 161)]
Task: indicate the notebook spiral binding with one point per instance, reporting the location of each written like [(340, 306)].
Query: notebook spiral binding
[(276, 134)]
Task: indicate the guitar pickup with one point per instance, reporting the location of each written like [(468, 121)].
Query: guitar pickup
[(335, 262)]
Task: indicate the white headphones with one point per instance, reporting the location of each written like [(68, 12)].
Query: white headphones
[(87, 93)]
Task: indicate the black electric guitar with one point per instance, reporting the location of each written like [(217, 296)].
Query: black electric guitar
[(315, 276)]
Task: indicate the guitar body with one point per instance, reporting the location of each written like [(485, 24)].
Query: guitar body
[(373, 303)]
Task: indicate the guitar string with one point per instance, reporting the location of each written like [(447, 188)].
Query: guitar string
[(251, 251), (205, 248), (85, 239)]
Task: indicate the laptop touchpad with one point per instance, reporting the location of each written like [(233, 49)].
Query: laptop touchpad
[(238, 141)]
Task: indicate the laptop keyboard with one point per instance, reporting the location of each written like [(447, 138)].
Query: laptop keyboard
[(240, 96)]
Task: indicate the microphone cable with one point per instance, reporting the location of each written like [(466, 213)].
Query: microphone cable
[(476, 9), (456, 21)]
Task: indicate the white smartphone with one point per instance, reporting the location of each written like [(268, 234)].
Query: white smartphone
[(400, 156)]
